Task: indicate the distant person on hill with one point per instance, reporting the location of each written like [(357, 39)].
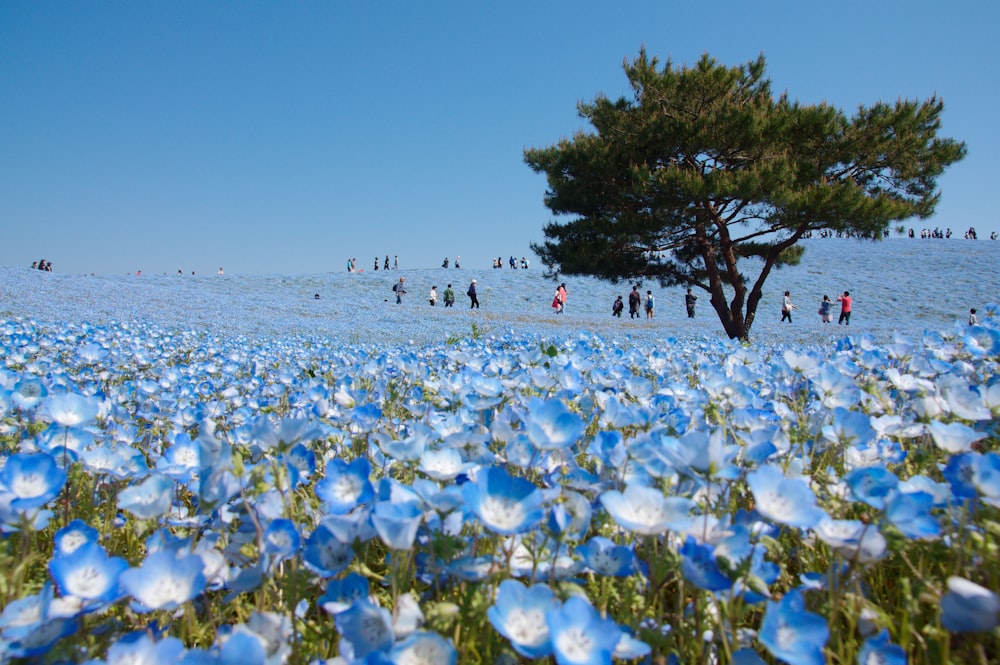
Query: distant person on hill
[(650, 304), (386, 266), (376, 263), (449, 296), (557, 302), (473, 298), (634, 298), (616, 309), (787, 307), (395, 262), (845, 308), (562, 297), (972, 317), (458, 261), (445, 264), (398, 287), (689, 300), (48, 266), (34, 265), (41, 264), (826, 310), (433, 296), (220, 272)]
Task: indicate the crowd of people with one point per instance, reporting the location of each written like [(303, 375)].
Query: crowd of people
[(825, 308), (512, 262), (42, 265)]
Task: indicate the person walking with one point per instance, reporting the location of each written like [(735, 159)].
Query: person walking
[(650, 304), (433, 296), (400, 290), (617, 307), (845, 308), (689, 300), (473, 298), (634, 298), (449, 297), (787, 307), (562, 297), (826, 310), (557, 302), (973, 321)]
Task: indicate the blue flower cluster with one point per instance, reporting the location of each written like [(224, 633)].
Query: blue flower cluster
[(589, 500)]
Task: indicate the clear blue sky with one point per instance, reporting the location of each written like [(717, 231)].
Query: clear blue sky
[(285, 137)]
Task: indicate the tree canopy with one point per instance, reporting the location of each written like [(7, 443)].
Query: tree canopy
[(705, 166)]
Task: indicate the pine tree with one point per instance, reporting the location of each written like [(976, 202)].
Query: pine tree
[(705, 168)]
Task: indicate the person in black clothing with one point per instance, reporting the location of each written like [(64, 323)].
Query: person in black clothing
[(689, 301), (473, 298), (616, 309), (634, 299)]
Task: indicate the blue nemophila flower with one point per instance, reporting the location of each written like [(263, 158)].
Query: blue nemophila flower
[(911, 513), (364, 629), (72, 536), (986, 478), (518, 613), (164, 580), (646, 511), (959, 472), (700, 568), (963, 400), (31, 480), (579, 635), (28, 392), (281, 539), (70, 409), (140, 647), (149, 499), (953, 437), (793, 634), (88, 573), (241, 647), (325, 554), (968, 607), (878, 650), (570, 518), (784, 500), (423, 648), (181, 459), (853, 539), (604, 557), (551, 425), (26, 619), (443, 464), (697, 453), (396, 522), (504, 504), (872, 484), (345, 485), (342, 593), (849, 428)]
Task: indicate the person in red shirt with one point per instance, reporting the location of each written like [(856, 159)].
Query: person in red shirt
[(845, 308)]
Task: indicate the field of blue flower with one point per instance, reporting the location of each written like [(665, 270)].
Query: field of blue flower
[(227, 469)]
